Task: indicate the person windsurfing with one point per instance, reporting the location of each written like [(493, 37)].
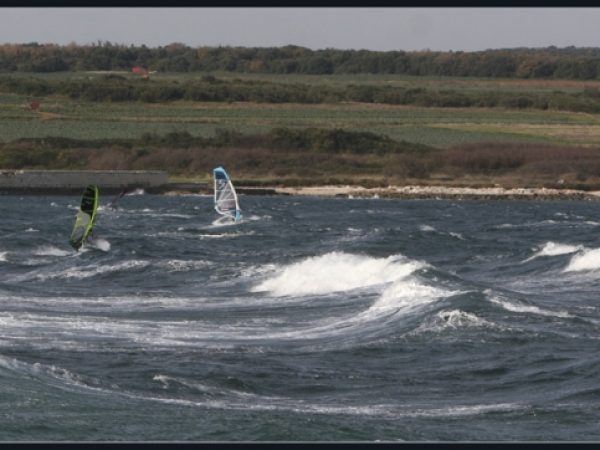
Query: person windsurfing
[(86, 215)]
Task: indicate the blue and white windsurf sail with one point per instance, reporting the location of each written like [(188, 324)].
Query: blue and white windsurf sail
[(226, 201)]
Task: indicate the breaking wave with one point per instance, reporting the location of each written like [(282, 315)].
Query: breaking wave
[(335, 272), (555, 249), (587, 260)]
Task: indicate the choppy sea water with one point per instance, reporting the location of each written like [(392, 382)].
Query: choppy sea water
[(312, 320)]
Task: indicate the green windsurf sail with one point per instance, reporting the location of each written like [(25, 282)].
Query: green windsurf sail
[(84, 220)]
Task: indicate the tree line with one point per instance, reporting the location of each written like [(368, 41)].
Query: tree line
[(549, 62), (115, 88)]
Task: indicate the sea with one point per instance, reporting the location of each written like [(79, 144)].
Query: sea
[(311, 320)]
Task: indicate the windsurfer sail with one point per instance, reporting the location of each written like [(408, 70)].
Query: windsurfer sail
[(226, 201), (84, 220)]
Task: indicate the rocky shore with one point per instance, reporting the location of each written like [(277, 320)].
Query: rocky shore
[(443, 192), (65, 182)]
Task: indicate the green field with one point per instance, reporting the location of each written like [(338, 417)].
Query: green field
[(341, 80), (477, 146), (440, 127)]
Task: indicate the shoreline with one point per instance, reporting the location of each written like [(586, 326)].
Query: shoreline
[(443, 192), (391, 192), (42, 182), (402, 192)]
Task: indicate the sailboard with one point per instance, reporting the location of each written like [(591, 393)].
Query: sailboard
[(226, 200), (84, 220)]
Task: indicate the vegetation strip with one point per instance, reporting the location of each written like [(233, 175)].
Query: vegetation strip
[(309, 157), (116, 88)]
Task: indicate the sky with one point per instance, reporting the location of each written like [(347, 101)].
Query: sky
[(379, 28)]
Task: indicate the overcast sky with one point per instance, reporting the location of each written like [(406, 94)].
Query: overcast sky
[(433, 28)]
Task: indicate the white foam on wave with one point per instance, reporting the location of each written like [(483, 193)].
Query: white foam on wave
[(223, 221), (258, 270), (144, 300), (194, 195), (393, 411), (100, 244), (44, 331), (175, 215), (239, 400), (89, 329), (467, 410), (226, 235), (64, 377), (267, 403), (586, 260), (453, 319), (246, 401), (505, 225), (400, 291), (70, 381), (334, 272), (527, 224), (93, 270), (554, 249), (49, 250), (529, 309), (31, 230), (179, 265), (277, 403), (167, 381), (216, 236), (457, 318), (192, 234), (393, 287), (3, 256), (426, 228), (156, 213), (405, 294)]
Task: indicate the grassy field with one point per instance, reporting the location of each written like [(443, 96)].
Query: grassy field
[(429, 82), (514, 133), (440, 127)]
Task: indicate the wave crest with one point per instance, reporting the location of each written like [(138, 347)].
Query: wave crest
[(555, 249), (587, 260), (335, 272)]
